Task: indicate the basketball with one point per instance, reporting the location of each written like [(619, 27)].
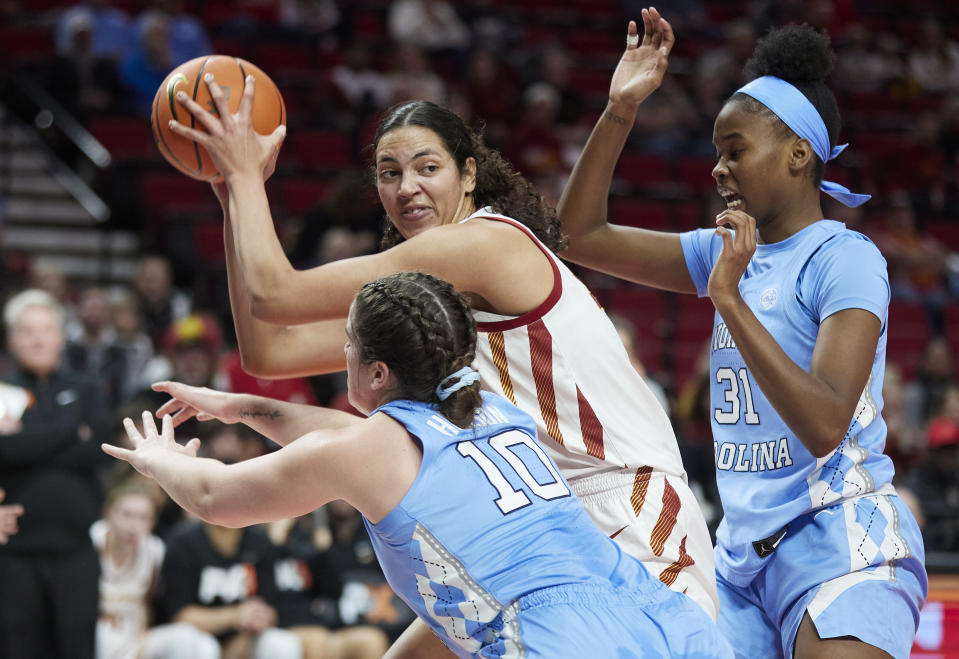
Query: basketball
[(229, 72)]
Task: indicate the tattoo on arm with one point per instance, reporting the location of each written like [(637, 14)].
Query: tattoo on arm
[(615, 119), (260, 414)]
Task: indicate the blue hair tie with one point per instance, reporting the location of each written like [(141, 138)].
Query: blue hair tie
[(463, 378), (795, 110)]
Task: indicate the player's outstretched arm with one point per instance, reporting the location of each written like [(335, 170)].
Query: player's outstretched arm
[(648, 257), (371, 465), (278, 420)]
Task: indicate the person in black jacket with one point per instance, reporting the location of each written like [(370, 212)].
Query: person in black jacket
[(50, 460)]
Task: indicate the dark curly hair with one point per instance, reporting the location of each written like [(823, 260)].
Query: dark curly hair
[(423, 330), (803, 57), (497, 186)]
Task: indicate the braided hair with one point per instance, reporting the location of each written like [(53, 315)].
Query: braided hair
[(803, 57), (423, 330), (498, 186)]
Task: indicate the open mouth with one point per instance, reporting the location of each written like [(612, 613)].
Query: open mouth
[(733, 201), (415, 214)]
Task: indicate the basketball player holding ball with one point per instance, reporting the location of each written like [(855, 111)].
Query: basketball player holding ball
[(458, 211)]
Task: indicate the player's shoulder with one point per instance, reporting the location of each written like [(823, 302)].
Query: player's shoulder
[(849, 246)]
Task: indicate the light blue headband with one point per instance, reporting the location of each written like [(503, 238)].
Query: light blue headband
[(463, 378), (795, 110)]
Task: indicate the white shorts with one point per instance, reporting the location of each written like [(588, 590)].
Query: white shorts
[(655, 517)]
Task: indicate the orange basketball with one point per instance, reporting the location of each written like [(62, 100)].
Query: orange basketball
[(229, 73)]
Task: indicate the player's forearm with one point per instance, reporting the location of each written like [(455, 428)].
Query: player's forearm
[(582, 207), (266, 270), (284, 422)]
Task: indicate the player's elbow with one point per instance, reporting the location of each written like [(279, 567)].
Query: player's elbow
[(256, 361), (825, 440)]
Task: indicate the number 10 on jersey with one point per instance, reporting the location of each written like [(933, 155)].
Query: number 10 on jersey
[(511, 499)]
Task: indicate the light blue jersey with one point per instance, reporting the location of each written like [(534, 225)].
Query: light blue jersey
[(778, 499), (494, 552)]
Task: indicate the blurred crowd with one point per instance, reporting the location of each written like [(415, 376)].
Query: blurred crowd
[(534, 78)]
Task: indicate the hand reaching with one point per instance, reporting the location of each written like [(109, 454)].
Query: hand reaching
[(150, 444), (739, 245), (200, 402), (643, 65), (234, 146)]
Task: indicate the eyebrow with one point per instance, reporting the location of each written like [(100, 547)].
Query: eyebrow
[(420, 154)]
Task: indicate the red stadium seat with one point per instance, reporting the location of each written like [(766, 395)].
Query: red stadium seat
[(696, 172), (125, 138), (640, 213), (327, 151), (644, 170)]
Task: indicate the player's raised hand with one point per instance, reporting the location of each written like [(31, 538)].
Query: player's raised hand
[(150, 443), (200, 402), (643, 64), (234, 146)]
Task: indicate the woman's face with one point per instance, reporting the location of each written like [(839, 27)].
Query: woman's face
[(418, 182), (752, 162)]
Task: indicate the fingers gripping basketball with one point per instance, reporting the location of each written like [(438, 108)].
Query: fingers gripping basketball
[(230, 72)]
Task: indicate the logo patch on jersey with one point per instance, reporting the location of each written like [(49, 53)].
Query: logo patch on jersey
[(768, 298)]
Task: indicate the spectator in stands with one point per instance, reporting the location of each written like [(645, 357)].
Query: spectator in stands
[(132, 340), (904, 441), (160, 303), (313, 19), (112, 32), (84, 81), (555, 69), (50, 464), (666, 124), (632, 342), (917, 261), (535, 147), (361, 87), (187, 35), (92, 345), (490, 92), (305, 579), (859, 67), (411, 77), (934, 60), (366, 598), (935, 482), (190, 350), (432, 25), (147, 62), (725, 63), (924, 394), (130, 559), (9, 514), (218, 580)]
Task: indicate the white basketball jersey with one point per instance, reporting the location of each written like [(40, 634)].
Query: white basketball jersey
[(565, 364), (125, 590)]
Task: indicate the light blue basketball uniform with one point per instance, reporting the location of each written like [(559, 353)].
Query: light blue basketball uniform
[(494, 552), (838, 543)]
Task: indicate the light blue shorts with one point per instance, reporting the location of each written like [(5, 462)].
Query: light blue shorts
[(857, 568), (602, 622)]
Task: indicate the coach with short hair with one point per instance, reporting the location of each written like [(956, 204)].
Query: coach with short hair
[(49, 463)]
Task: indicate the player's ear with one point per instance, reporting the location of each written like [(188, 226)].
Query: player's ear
[(380, 375), (800, 154)]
